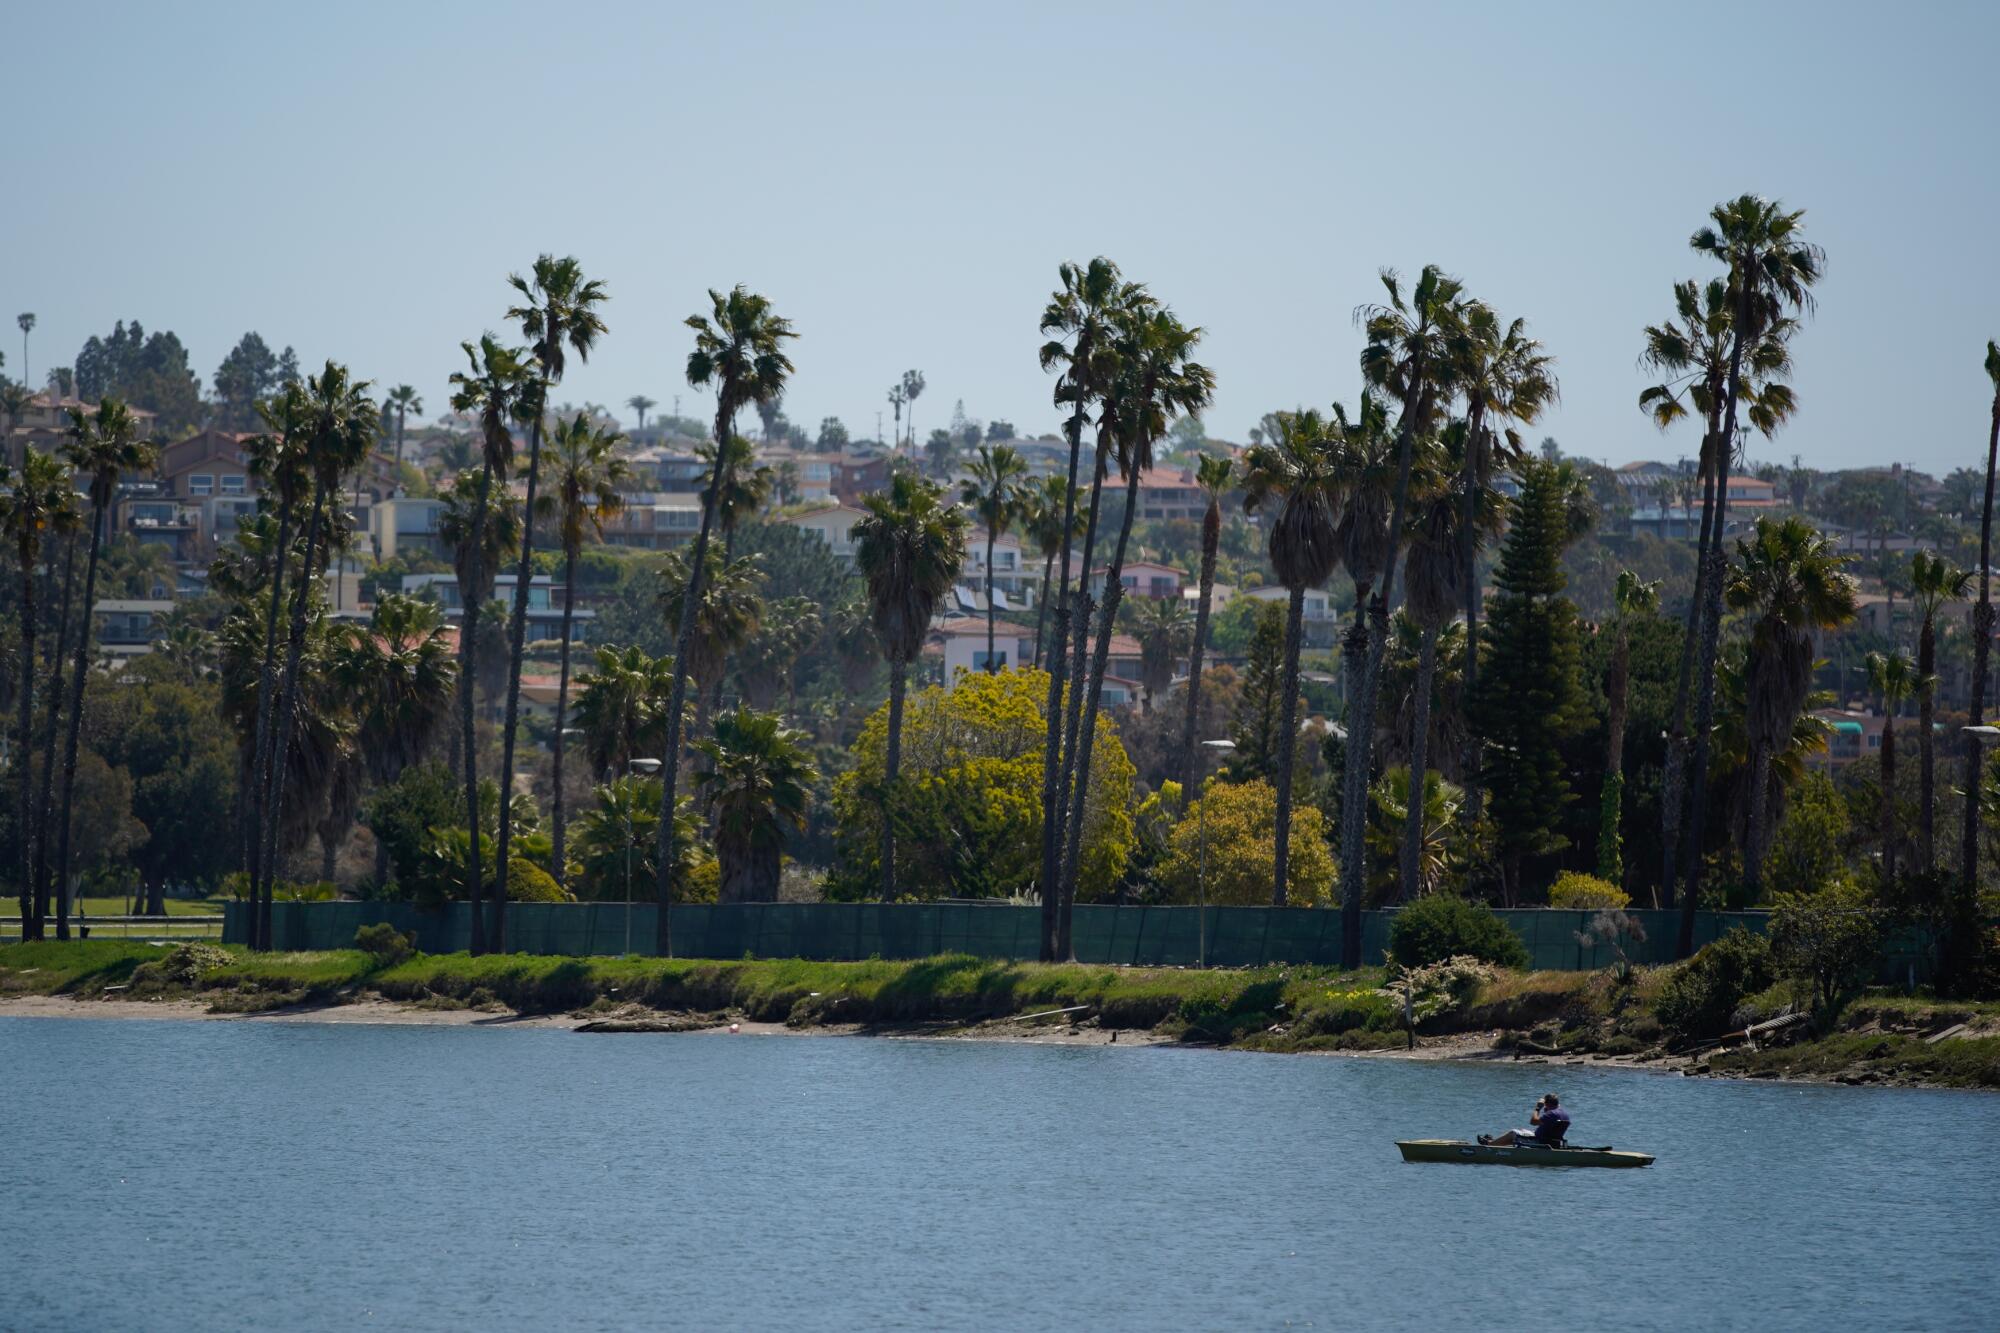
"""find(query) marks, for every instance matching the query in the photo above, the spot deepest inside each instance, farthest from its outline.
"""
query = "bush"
(1441, 926)
(183, 967)
(1826, 942)
(1582, 892)
(1701, 995)
(385, 943)
(529, 883)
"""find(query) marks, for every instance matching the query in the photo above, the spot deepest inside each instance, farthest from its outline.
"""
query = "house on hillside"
(1145, 578)
(1318, 620)
(545, 603)
(833, 524)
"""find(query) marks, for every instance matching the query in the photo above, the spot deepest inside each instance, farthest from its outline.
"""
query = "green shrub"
(1439, 926)
(1583, 892)
(183, 967)
(387, 945)
(1826, 942)
(529, 883)
(1702, 994)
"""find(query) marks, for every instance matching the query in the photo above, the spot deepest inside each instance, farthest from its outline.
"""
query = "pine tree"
(1530, 695)
(1260, 709)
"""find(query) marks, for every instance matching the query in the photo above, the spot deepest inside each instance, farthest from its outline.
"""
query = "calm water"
(275, 1175)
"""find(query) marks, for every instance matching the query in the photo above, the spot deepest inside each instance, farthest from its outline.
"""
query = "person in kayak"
(1550, 1123)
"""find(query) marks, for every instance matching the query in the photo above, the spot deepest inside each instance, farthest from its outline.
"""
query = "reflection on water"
(206, 1175)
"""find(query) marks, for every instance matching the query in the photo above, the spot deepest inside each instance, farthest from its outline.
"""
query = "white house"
(1317, 618)
(833, 525)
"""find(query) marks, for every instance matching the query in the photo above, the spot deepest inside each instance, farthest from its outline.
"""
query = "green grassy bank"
(1552, 1014)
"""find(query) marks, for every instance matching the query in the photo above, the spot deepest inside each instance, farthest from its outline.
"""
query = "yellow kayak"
(1520, 1154)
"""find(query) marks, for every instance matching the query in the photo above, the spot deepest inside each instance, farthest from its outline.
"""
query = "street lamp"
(1201, 862)
(639, 768)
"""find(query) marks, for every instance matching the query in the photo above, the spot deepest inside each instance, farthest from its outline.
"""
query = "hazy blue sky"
(903, 179)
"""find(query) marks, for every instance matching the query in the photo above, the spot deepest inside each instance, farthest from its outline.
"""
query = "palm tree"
(26, 320)
(996, 492)
(493, 388)
(402, 400)
(1044, 508)
(1982, 637)
(398, 672)
(1214, 476)
(757, 784)
(1771, 275)
(726, 616)
(102, 447)
(896, 400)
(739, 347)
(767, 666)
(1934, 580)
(583, 494)
(1164, 630)
(1078, 321)
(913, 389)
(1631, 599)
(641, 404)
(909, 546)
(1892, 676)
(1505, 376)
(1409, 354)
(1792, 579)
(499, 536)
(621, 708)
(741, 486)
(1296, 470)
(558, 315)
(1158, 381)
(33, 504)
(341, 421)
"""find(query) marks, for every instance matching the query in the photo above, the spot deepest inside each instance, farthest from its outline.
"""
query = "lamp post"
(1201, 857)
(639, 768)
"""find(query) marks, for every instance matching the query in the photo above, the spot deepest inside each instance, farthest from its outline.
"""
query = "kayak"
(1520, 1154)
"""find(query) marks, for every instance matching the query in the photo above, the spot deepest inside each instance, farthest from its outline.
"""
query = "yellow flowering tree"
(1238, 821)
(969, 800)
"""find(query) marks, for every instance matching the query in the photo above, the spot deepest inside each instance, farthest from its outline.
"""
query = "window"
(232, 483)
(979, 658)
(201, 483)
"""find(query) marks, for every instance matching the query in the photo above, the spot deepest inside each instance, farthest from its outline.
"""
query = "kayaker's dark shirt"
(1553, 1125)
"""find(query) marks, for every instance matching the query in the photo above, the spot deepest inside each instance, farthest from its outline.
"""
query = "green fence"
(1147, 936)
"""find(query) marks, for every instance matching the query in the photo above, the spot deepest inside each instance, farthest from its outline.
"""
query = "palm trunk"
(267, 711)
(1982, 645)
(1211, 537)
(516, 643)
(991, 666)
(892, 769)
(1107, 621)
(25, 746)
(1079, 677)
(670, 766)
(562, 705)
(1611, 815)
(1469, 481)
(79, 672)
(1674, 779)
(1888, 792)
(288, 704)
(1288, 747)
(1420, 728)
(1711, 637)
(468, 672)
(45, 802)
(1926, 745)
(1361, 712)
(1058, 666)
(399, 443)
(1760, 818)
(1042, 608)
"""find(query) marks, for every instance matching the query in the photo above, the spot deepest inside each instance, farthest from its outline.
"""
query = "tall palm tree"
(641, 404)
(757, 784)
(1044, 511)
(558, 316)
(621, 708)
(398, 673)
(741, 484)
(493, 389)
(1982, 637)
(1790, 577)
(739, 348)
(1933, 580)
(1078, 323)
(1505, 376)
(726, 616)
(1631, 599)
(913, 389)
(1214, 476)
(1164, 630)
(909, 546)
(102, 447)
(402, 400)
(582, 495)
(1408, 354)
(1158, 381)
(33, 503)
(996, 492)
(1296, 471)
(1771, 272)
(26, 320)
(1893, 677)
(341, 422)
(68, 523)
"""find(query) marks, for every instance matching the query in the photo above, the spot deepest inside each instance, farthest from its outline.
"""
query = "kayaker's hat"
(1550, 1098)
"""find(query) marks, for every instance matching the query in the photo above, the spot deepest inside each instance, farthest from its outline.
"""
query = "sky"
(902, 181)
